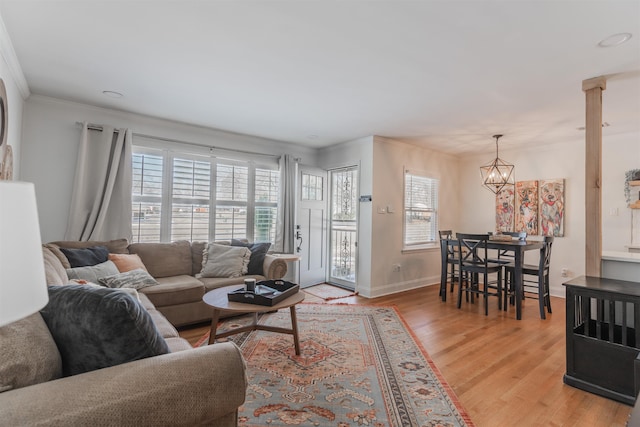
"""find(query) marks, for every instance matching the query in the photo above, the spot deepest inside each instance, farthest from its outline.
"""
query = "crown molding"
(9, 56)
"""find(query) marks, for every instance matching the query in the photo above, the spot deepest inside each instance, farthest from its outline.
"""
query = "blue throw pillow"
(96, 328)
(86, 256)
(258, 252)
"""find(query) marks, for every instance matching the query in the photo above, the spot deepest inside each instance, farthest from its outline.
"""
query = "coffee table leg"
(214, 326)
(294, 328)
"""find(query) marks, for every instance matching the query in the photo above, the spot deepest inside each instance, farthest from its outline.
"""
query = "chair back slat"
(545, 254)
(472, 248)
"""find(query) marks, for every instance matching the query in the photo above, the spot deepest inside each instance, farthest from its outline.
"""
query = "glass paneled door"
(343, 227)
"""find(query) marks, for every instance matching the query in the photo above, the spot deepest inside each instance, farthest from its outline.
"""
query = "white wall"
(620, 153)
(357, 153)
(382, 162)
(17, 91)
(50, 143)
(417, 267)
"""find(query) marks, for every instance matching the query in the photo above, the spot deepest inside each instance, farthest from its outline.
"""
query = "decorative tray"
(268, 292)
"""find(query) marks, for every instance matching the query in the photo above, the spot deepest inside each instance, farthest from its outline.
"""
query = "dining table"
(518, 247)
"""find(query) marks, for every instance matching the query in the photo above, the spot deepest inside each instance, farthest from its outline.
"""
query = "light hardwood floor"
(505, 372)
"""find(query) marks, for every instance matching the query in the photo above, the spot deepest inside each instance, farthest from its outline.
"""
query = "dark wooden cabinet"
(603, 337)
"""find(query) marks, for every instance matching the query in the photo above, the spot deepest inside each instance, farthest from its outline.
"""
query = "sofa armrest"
(188, 387)
(274, 268)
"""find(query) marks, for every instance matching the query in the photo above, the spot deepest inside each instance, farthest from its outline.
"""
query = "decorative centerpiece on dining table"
(500, 237)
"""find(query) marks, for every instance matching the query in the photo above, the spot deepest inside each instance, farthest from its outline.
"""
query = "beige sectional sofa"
(187, 386)
(174, 265)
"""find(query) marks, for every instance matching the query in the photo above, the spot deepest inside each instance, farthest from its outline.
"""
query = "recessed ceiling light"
(615, 40)
(112, 94)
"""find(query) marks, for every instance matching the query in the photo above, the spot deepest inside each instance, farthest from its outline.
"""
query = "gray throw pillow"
(84, 257)
(225, 261)
(96, 328)
(136, 279)
(93, 273)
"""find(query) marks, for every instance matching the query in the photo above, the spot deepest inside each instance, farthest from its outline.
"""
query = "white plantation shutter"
(146, 195)
(191, 190)
(420, 210)
(193, 196)
(266, 205)
(231, 201)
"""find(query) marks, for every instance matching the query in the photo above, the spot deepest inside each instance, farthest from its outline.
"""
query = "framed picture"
(527, 207)
(505, 209)
(552, 207)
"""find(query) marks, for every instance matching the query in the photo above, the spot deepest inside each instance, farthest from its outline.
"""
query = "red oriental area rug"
(359, 366)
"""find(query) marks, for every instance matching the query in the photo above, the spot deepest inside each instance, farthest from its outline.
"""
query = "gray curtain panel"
(101, 199)
(286, 210)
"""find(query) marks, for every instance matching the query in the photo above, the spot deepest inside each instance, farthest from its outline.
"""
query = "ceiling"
(441, 74)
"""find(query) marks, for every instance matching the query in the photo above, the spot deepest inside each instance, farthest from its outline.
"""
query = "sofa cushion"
(164, 259)
(29, 354)
(211, 283)
(99, 327)
(225, 261)
(92, 273)
(117, 246)
(165, 329)
(55, 273)
(197, 250)
(127, 262)
(83, 257)
(258, 252)
(174, 291)
(55, 250)
(178, 344)
(136, 279)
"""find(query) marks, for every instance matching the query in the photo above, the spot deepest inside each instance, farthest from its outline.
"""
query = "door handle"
(298, 237)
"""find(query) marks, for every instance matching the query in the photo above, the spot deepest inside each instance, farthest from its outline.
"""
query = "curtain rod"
(99, 128)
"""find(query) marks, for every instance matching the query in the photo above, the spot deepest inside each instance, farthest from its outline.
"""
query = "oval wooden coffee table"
(219, 301)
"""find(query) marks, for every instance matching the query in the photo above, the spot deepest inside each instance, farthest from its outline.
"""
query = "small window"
(420, 210)
(312, 187)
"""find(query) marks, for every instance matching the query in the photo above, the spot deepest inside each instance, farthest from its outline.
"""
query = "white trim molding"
(9, 56)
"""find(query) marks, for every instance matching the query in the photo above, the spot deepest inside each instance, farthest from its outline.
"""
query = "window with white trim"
(186, 196)
(420, 210)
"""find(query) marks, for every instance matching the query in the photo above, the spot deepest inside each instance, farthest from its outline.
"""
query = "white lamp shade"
(23, 288)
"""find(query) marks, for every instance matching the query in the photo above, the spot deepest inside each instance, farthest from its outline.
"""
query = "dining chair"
(449, 252)
(473, 265)
(535, 279)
